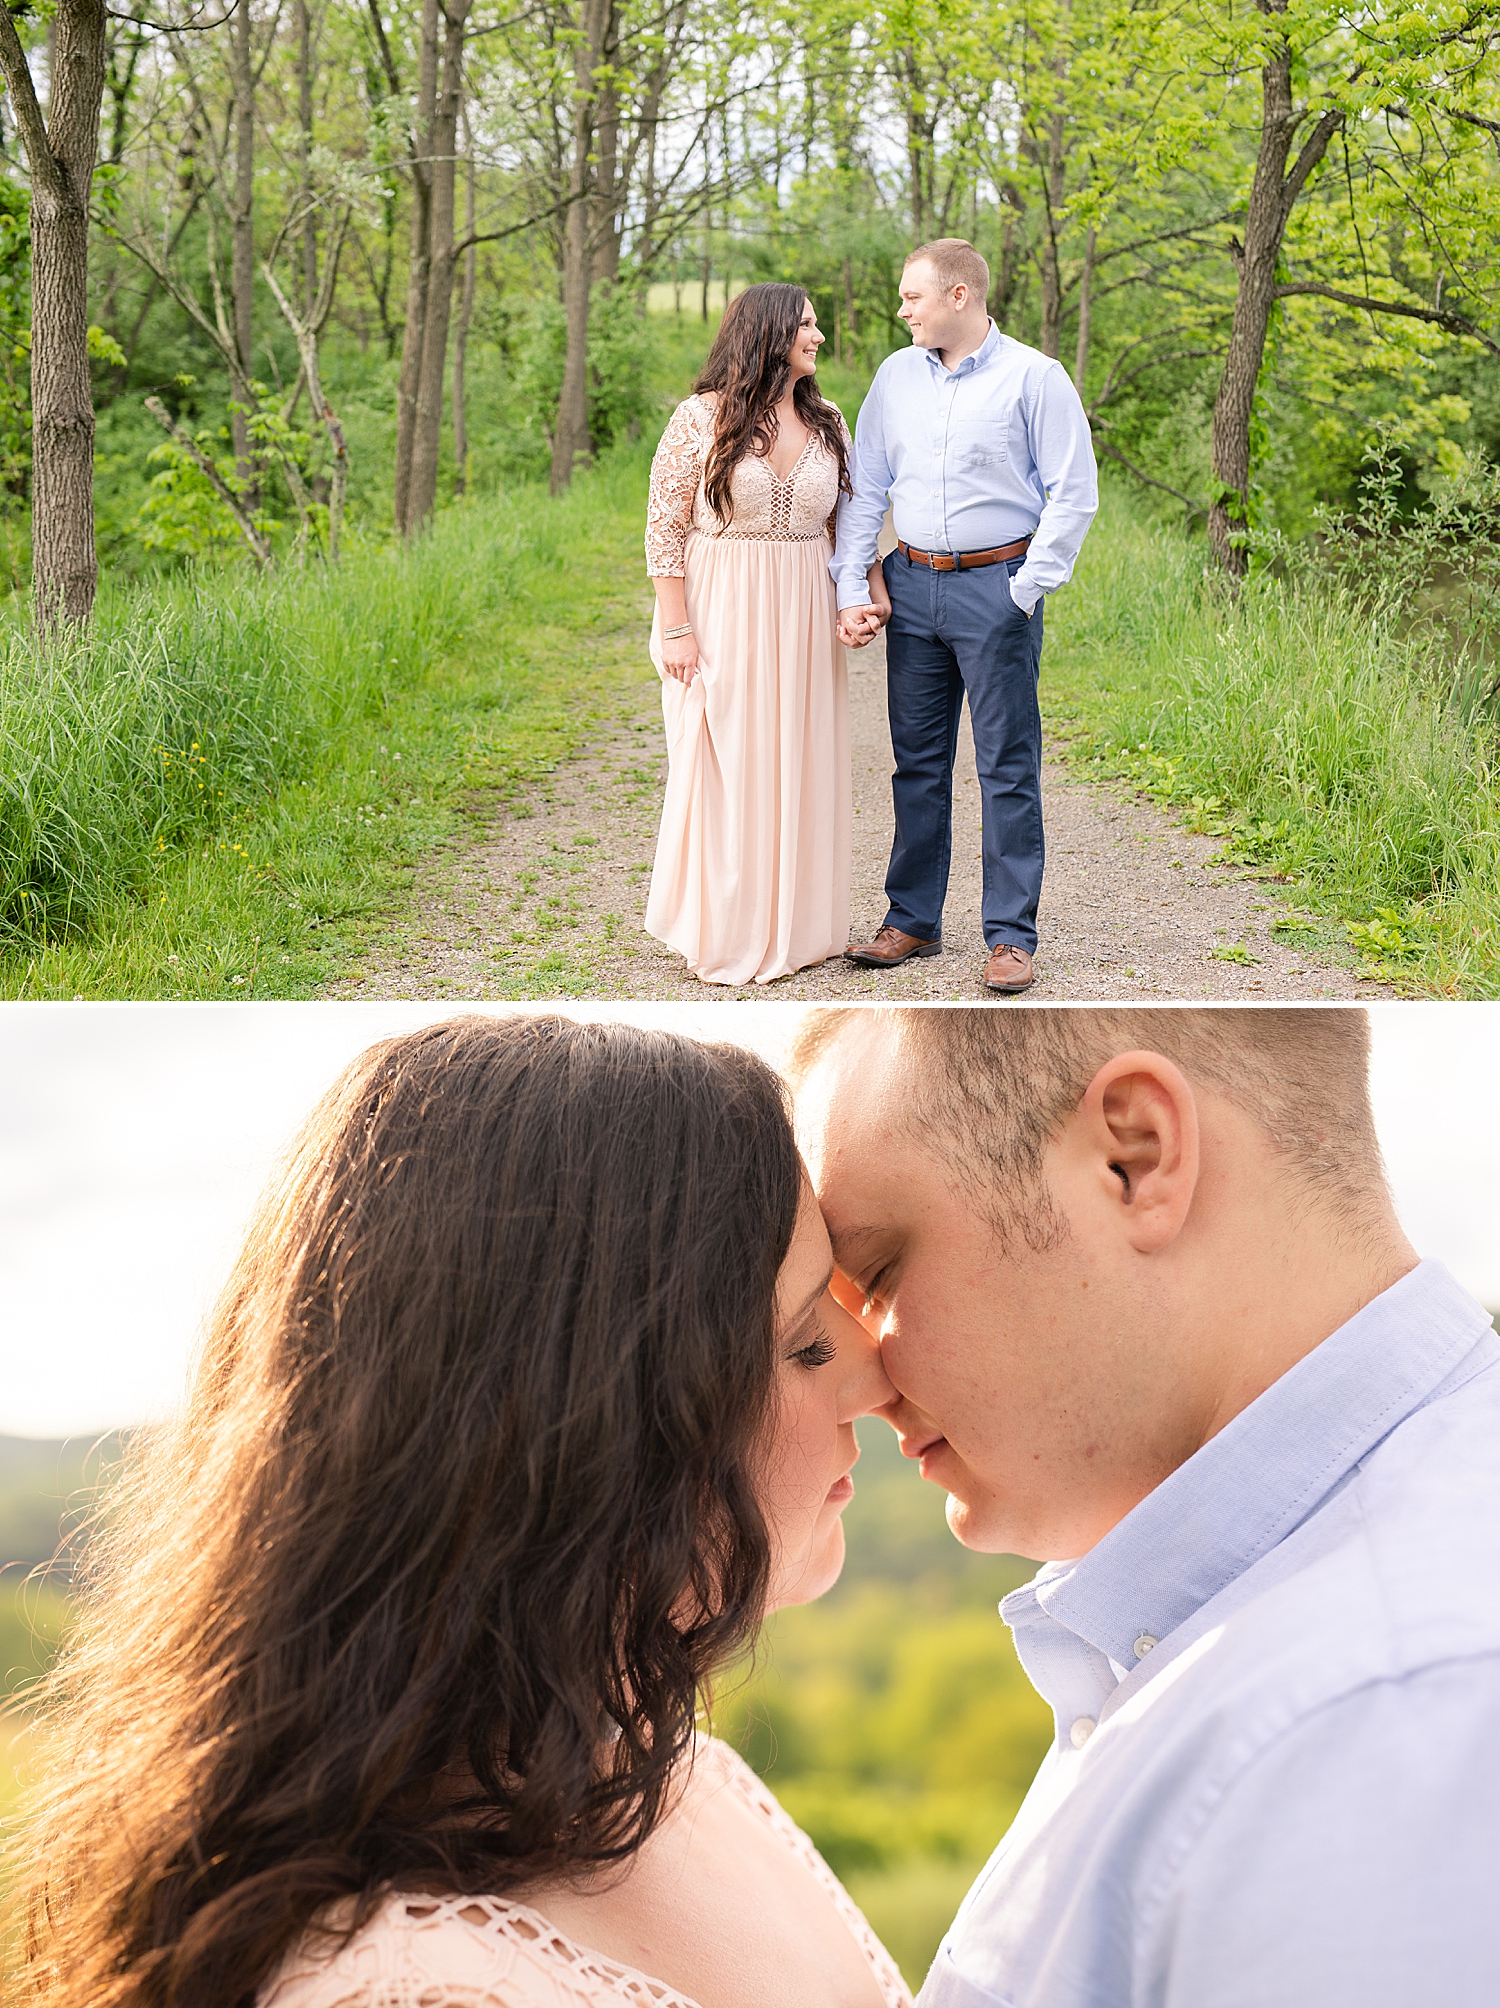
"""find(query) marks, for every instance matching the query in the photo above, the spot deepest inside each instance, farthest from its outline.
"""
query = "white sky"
(134, 1139)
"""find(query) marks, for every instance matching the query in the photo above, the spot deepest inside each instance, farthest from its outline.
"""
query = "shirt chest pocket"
(984, 444)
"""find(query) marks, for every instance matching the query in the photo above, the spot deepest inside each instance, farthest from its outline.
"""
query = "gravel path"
(550, 901)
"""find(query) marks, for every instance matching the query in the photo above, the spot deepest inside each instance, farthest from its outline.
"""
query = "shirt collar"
(1265, 1472)
(971, 362)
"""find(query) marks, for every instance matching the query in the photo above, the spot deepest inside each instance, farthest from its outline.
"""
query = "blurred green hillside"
(891, 1717)
(46, 1487)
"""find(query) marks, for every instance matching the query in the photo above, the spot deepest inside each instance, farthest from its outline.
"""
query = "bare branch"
(1113, 452)
(211, 474)
(177, 27)
(499, 27)
(1491, 126)
(1313, 149)
(1439, 317)
(515, 229)
(1167, 236)
(387, 61)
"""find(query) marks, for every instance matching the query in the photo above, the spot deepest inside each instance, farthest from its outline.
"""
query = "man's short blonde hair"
(954, 262)
(985, 1091)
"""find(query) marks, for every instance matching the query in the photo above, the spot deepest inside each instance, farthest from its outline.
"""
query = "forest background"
(1248, 227)
(328, 330)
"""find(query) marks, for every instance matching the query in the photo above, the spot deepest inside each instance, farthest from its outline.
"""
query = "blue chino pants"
(952, 632)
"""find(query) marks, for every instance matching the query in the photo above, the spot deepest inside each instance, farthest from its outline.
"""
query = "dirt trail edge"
(550, 900)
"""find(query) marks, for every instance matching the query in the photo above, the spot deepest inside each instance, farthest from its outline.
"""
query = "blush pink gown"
(753, 857)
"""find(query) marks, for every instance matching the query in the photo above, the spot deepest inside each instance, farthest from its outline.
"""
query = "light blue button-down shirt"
(1276, 1683)
(970, 458)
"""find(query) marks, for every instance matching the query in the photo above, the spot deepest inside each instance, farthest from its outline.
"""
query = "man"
(983, 448)
(1143, 1295)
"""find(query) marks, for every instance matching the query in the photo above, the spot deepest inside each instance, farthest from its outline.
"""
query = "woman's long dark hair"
(465, 1479)
(748, 368)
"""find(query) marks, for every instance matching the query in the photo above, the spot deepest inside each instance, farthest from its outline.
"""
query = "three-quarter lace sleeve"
(840, 498)
(675, 474)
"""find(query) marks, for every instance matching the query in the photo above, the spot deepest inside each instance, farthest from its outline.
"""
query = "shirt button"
(1081, 1731)
(1143, 1645)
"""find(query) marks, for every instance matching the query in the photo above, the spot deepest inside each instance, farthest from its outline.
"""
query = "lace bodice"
(761, 507)
(488, 1952)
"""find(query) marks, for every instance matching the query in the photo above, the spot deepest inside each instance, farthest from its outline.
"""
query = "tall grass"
(184, 709)
(256, 756)
(1328, 743)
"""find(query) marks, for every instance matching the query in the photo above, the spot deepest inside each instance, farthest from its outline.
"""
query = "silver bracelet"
(676, 634)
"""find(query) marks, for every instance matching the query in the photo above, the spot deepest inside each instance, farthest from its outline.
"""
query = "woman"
(525, 1402)
(753, 858)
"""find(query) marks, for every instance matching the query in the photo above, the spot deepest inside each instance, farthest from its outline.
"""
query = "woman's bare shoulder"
(717, 1762)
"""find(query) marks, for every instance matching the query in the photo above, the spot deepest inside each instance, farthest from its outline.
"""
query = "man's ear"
(1137, 1126)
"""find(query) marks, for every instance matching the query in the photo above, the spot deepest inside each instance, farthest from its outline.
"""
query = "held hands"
(858, 626)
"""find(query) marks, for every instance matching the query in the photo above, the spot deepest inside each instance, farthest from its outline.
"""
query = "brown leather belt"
(965, 561)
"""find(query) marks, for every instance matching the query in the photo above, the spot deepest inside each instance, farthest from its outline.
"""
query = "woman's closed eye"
(816, 1352)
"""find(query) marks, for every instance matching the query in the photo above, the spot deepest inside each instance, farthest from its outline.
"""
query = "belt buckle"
(944, 561)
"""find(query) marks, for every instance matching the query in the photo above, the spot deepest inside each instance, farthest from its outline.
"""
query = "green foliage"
(104, 348)
(184, 512)
(1428, 575)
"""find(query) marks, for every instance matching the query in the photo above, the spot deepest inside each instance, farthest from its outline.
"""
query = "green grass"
(223, 786)
(1315, 741)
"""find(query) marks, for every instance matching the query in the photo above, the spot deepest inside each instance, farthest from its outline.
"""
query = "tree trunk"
(1057, 188)
(605, 204)
(242, 218)
(419, 264)
(1273, 193)
(647, 249)
(1003, 281)
(461, 333)
(916, 149)
(306, 329)
(427, 433)
(304, 164)
(571, 443)
(1085, 284)
(61, 151)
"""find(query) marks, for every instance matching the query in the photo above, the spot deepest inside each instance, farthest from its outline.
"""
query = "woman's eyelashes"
(818, 1351)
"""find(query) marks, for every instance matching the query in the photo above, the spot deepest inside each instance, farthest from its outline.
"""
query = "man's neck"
(1299, 1306)
(969, 340)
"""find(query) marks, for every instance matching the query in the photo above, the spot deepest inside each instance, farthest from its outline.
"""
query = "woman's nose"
(864, 1385)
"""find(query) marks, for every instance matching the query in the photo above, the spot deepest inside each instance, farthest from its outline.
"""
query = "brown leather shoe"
(1008, 969)
(890, 947)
